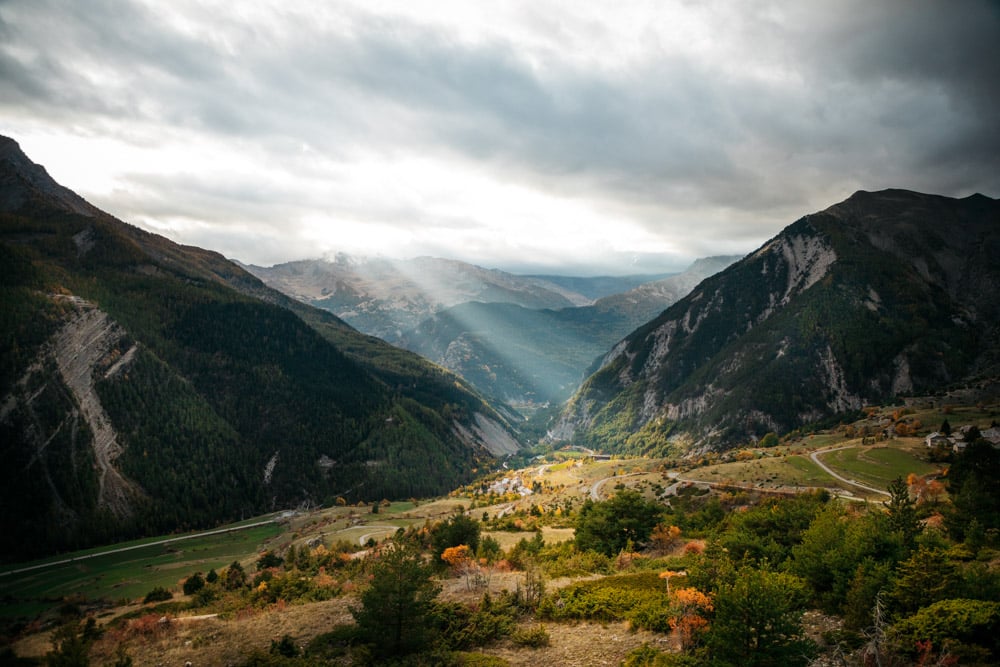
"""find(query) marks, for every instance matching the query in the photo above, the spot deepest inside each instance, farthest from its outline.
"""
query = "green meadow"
(877, 466)
(124, 575)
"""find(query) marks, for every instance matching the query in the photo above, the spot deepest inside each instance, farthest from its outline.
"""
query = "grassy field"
(507, 539)
(126, 575)
(785, 471)
(877, 466)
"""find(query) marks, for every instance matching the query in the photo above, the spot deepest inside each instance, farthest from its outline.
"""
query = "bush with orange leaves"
(458, 557)
(463, 564)
(694, 548)
(924, 490)
(689, 606)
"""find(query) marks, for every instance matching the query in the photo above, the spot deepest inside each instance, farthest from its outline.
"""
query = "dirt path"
(595, 488)
(815, 459)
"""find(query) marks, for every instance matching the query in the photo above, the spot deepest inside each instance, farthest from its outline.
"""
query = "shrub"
(269, 559)
(651, 615)
(294, 587)
(968, 629)
(647, 656)
(534, 637)
(464, 628)
(69, 647)
(334, 644)
(286, 647)
(565, 560)
(158, 594)
(480, 660)
(234, 577)
(614, 598)
(204, 597)
(148, 625)
(193, 584)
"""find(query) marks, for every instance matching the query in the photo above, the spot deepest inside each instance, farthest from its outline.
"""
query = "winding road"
(595, 488)
(815, 459)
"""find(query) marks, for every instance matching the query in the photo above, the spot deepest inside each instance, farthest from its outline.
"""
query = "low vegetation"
(699, 573)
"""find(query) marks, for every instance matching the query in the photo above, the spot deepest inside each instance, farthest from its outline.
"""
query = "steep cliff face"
(885, 293)
(89, 346)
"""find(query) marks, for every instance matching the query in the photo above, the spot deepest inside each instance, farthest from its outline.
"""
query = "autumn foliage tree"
(457, 557)
(690, 607)
(665, 537)
(463, 563)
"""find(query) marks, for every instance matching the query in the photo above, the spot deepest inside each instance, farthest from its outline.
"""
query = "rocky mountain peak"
(22, 182)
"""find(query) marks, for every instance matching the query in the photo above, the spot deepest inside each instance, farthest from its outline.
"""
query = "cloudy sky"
(580, 136)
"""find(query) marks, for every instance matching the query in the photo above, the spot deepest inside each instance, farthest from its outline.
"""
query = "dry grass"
(215, 641)
(582, 645)
(769, 473)
(507, 539)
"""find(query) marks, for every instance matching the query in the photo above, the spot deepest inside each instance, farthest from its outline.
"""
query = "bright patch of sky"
(571, 137)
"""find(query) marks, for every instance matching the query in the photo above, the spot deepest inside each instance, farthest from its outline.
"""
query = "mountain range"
(526, 341)
(884, 295)
(150, 387)
(387, 297)
(533, 357)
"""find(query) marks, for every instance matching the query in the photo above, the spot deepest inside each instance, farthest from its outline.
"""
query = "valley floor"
(511, 505)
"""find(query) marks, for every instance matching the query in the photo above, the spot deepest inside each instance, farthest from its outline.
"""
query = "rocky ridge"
(883, 294)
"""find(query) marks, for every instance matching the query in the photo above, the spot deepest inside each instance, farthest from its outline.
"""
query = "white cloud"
(519, 134)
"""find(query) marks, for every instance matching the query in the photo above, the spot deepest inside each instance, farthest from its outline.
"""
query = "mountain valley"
(148, 386)
(525, 340)
(764, 432)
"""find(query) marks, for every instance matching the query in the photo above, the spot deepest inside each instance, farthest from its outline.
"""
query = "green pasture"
(126, 575)
(399, 507)
(821, 440)
(877, 466)
(808, 473)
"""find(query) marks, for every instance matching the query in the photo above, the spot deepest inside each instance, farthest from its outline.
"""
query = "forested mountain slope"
(884, 294)
(147, 387)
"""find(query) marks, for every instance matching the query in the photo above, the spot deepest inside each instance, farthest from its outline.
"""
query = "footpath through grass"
(877, 466)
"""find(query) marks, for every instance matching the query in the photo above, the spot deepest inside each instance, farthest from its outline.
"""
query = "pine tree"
(395, 608)
(902, 511)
